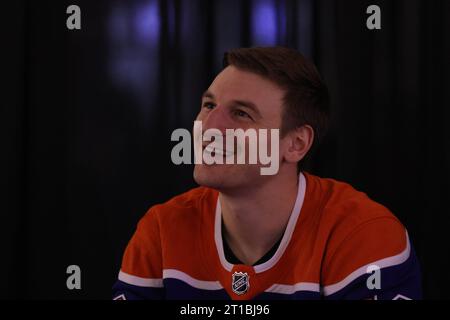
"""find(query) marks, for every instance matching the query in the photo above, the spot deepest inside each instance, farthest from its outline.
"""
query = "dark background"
(86, 118)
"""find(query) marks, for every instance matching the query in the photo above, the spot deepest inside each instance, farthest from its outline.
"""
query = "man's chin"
(206, 176)
(224, 178)
(214, 176)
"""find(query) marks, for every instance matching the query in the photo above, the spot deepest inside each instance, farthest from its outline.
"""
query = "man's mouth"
(215, 150)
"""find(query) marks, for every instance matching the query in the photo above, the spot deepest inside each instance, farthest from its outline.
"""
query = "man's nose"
(217, 118)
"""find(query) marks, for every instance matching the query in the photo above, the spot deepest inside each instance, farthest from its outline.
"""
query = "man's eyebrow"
(208, 94)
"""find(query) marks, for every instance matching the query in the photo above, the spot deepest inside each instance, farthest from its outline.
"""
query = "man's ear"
(299, 142)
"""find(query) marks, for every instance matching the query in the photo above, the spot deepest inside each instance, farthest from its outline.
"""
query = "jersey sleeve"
(375, 261)
(140, 276)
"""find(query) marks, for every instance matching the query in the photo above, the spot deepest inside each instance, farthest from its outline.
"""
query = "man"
(291, 235)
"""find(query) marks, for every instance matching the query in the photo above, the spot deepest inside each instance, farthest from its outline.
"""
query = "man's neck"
(256, 219)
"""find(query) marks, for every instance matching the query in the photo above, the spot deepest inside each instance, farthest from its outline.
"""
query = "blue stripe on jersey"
(299, 295)
(396, 281)
(399, 281)
(132, 292)
(179, 290)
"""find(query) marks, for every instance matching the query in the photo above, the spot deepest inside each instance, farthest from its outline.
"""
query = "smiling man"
(290, 235)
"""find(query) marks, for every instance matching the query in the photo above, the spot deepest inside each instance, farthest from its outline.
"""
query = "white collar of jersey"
(284, 241)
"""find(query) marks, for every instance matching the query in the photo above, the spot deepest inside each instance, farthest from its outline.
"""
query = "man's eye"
(243, 114)
(209, 105)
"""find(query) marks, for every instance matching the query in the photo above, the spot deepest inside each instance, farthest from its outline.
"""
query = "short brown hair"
(306, 100)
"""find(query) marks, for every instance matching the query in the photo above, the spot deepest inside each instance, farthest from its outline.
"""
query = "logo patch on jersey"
(240, 282)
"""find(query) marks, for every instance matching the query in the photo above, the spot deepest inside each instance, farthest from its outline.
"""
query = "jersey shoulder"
(341, 205)
(181, 216)
(190, 202)
(357, 234)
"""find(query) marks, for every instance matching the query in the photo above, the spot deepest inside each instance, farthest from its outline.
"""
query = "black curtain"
(87, 115)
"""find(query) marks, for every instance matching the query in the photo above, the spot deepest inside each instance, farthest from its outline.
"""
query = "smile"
(218, 151)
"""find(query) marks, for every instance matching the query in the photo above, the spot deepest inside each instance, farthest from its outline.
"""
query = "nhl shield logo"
(240, 282)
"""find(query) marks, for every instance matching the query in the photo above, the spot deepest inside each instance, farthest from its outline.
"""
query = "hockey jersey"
(338, 244)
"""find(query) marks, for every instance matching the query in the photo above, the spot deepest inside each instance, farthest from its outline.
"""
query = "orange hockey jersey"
(338, 244)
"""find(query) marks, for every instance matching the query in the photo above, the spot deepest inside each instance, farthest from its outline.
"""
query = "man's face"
(238, 99)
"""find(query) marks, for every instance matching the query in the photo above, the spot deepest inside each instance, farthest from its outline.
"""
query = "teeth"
(218, 151)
